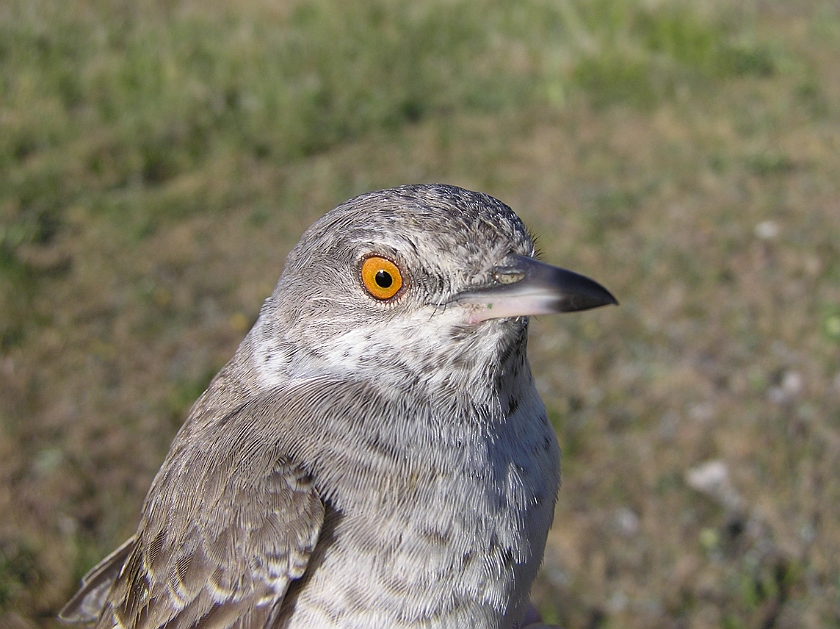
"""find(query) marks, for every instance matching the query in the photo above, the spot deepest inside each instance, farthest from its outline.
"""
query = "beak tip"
(587, 295)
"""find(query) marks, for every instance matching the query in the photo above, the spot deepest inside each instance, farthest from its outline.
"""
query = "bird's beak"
(526, 286)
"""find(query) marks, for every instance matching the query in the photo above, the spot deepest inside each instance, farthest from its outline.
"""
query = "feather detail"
(89, 600)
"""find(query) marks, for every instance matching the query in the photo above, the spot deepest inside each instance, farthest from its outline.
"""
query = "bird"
(375, 454)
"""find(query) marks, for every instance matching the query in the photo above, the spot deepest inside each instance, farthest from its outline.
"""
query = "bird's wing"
(90, 599)
(230, 521)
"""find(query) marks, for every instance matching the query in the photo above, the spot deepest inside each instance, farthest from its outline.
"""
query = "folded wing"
(228, 524)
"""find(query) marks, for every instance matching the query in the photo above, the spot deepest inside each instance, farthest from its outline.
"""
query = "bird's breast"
(450, 534)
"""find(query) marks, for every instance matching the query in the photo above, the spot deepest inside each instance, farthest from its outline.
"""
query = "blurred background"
(158, 159)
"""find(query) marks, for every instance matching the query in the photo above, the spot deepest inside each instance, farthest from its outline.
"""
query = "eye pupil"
(383, 279)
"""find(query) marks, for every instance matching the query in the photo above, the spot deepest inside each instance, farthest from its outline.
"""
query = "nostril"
(508, 276)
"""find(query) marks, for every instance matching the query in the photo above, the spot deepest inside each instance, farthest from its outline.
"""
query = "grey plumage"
(363, 461)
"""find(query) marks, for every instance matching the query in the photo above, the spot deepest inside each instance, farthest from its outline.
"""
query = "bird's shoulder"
(230, 521)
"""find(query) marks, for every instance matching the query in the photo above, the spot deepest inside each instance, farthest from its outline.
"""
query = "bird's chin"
(499, 328)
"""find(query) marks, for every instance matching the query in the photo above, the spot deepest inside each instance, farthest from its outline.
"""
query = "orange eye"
(381, 277)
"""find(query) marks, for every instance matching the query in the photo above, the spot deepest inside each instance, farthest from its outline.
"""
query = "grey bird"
(375, 455)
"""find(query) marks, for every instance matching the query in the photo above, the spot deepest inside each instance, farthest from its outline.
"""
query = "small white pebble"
(627, 522)
(792, 382)
(789, 388)
(712, 478)
(708, 477)
(767, 230)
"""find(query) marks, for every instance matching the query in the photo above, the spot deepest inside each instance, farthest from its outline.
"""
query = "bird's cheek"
(474, 313)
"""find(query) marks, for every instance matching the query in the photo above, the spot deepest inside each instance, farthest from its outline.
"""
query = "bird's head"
(411, 279)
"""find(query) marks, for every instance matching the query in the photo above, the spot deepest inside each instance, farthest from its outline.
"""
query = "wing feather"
(233, 516)
(228, 524)
(89, 600)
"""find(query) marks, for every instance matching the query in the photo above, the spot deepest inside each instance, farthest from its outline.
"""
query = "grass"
(158, 159)
(107, 105)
